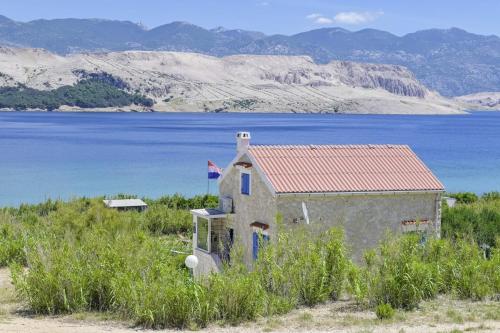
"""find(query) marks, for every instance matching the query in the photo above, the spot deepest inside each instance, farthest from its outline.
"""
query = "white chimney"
(242, 141)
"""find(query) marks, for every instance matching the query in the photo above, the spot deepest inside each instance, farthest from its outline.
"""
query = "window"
(245, 183)
(202, 234)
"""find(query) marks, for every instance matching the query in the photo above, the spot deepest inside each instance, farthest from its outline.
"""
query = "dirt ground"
(441, 315)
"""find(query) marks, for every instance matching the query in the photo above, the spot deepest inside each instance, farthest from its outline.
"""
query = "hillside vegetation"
(79, 256)
(88, 93)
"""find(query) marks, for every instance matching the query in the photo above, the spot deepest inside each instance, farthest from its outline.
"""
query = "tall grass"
(303, 269)
(397, 275)
(85, 257)
(404, 271)
(80, 256)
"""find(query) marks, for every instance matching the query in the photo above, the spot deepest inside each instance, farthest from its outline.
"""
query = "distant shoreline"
(127, 110)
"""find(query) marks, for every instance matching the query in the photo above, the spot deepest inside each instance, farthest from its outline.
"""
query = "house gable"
(237, 164)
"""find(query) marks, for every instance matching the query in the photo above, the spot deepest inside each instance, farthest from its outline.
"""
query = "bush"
(384, 311)
(178, 201)
(479, 220)
(491, 196)
(465, 197)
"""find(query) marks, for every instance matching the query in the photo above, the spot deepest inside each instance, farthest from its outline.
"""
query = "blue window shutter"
(245, 183)
(255, 245)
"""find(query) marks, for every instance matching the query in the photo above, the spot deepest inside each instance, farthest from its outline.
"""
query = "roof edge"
(327, 194)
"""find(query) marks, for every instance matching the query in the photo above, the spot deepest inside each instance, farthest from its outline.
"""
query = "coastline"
(198, 111)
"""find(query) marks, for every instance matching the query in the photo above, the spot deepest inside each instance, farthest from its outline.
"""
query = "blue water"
(62, 155)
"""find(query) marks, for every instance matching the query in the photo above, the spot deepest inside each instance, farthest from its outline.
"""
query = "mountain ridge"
(451, 61)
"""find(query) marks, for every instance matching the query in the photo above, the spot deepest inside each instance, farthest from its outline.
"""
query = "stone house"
(365, 189)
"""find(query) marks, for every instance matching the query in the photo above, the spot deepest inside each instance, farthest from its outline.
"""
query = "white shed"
(126, 204)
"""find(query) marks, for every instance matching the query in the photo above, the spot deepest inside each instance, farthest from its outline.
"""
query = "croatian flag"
(214, 171)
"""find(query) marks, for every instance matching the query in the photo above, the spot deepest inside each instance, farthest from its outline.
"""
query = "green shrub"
(491, 196)
(178, 201)
(479, 220)
(465, 197)
(384, 311)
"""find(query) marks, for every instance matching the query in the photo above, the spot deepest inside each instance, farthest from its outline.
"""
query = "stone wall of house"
(259, 206)
(365, 218)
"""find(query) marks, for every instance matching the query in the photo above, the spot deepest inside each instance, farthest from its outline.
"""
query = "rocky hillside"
(450, 61)
(482, 101)
(195, 82)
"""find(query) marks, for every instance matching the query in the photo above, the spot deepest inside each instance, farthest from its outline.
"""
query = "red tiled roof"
(343, 168)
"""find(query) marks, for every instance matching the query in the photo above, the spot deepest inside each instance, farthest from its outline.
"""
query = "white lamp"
(191, 261)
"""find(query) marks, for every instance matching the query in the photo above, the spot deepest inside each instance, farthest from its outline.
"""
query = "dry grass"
(441, 315)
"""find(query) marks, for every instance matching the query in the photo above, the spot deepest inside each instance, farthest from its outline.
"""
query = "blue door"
(255, 248)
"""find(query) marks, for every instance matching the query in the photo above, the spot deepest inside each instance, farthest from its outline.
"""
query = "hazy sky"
(275, 16)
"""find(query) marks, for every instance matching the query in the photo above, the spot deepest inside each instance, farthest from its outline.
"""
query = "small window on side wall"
(245, 183)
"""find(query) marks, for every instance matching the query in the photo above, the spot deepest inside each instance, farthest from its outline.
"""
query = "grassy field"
(77, 257)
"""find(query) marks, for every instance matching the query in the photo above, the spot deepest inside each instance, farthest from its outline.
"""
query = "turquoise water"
(62, 155)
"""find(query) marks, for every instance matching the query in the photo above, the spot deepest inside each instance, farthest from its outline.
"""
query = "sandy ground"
(441, 315)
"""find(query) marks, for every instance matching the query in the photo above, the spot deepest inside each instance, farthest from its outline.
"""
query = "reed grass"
(77, 256)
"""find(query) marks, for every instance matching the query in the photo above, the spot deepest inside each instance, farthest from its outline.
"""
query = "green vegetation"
(78, 256)
(404, 272)
(384, 311)
(93, 92)
(473, 217)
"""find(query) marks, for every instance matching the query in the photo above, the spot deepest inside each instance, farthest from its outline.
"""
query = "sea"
(65, 155)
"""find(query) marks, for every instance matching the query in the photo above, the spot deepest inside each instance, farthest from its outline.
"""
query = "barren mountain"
(452, 61)
(195, 82)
